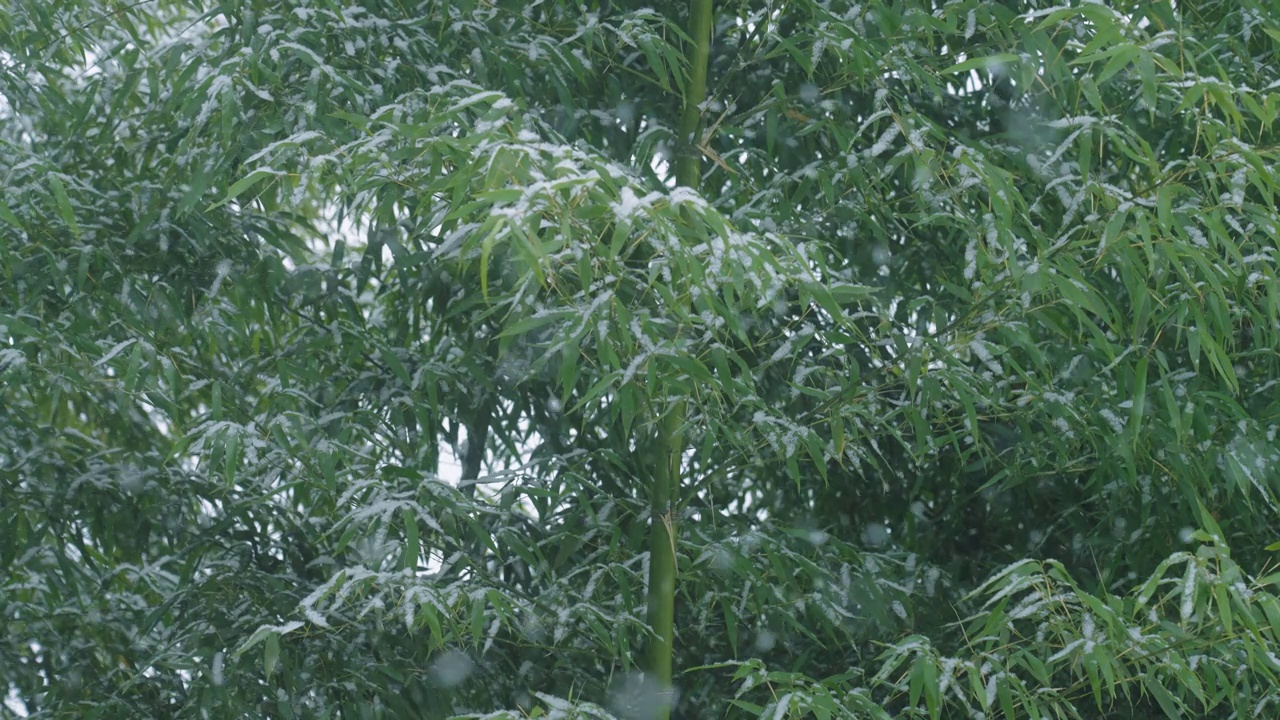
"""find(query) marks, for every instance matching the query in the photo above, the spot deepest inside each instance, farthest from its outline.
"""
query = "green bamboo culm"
(662, 555)
(689, 160)
(670, 440)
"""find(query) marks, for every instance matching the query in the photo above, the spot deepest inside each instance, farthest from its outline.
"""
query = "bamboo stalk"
(666, 478)
(688, 164)
(662, 556)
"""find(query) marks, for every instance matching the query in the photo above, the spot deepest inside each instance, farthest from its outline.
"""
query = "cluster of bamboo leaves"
(337, 344)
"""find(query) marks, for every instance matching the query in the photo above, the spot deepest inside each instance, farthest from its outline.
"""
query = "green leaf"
(242, 185)
(231, 459)
(1147, 72)
(486, 250)
(1139, 399)
(1122, 57)
(64, 204)
(433, 625)
(731, 625)
(532, 322)
(1223, 602)
(932, 697)
(1004, 691)
(752, 708)
(270, 653)
(1168, 703)
(7, 215)
(215, 411)
(1095, 680)
(412, 548)
(392, 360)
(693, 368)
(195, 190)
(916, 681)
(1164, 204)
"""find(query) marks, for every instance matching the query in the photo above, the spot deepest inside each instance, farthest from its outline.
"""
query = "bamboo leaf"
(7, 215)
(242, 186)
(63, 202)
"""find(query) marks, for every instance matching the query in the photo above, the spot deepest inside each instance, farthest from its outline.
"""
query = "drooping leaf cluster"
(335, 340)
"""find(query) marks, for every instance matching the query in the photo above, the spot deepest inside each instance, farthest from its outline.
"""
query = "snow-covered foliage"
(337, 342)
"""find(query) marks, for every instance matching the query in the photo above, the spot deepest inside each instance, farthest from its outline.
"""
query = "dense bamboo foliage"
(497, 359)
